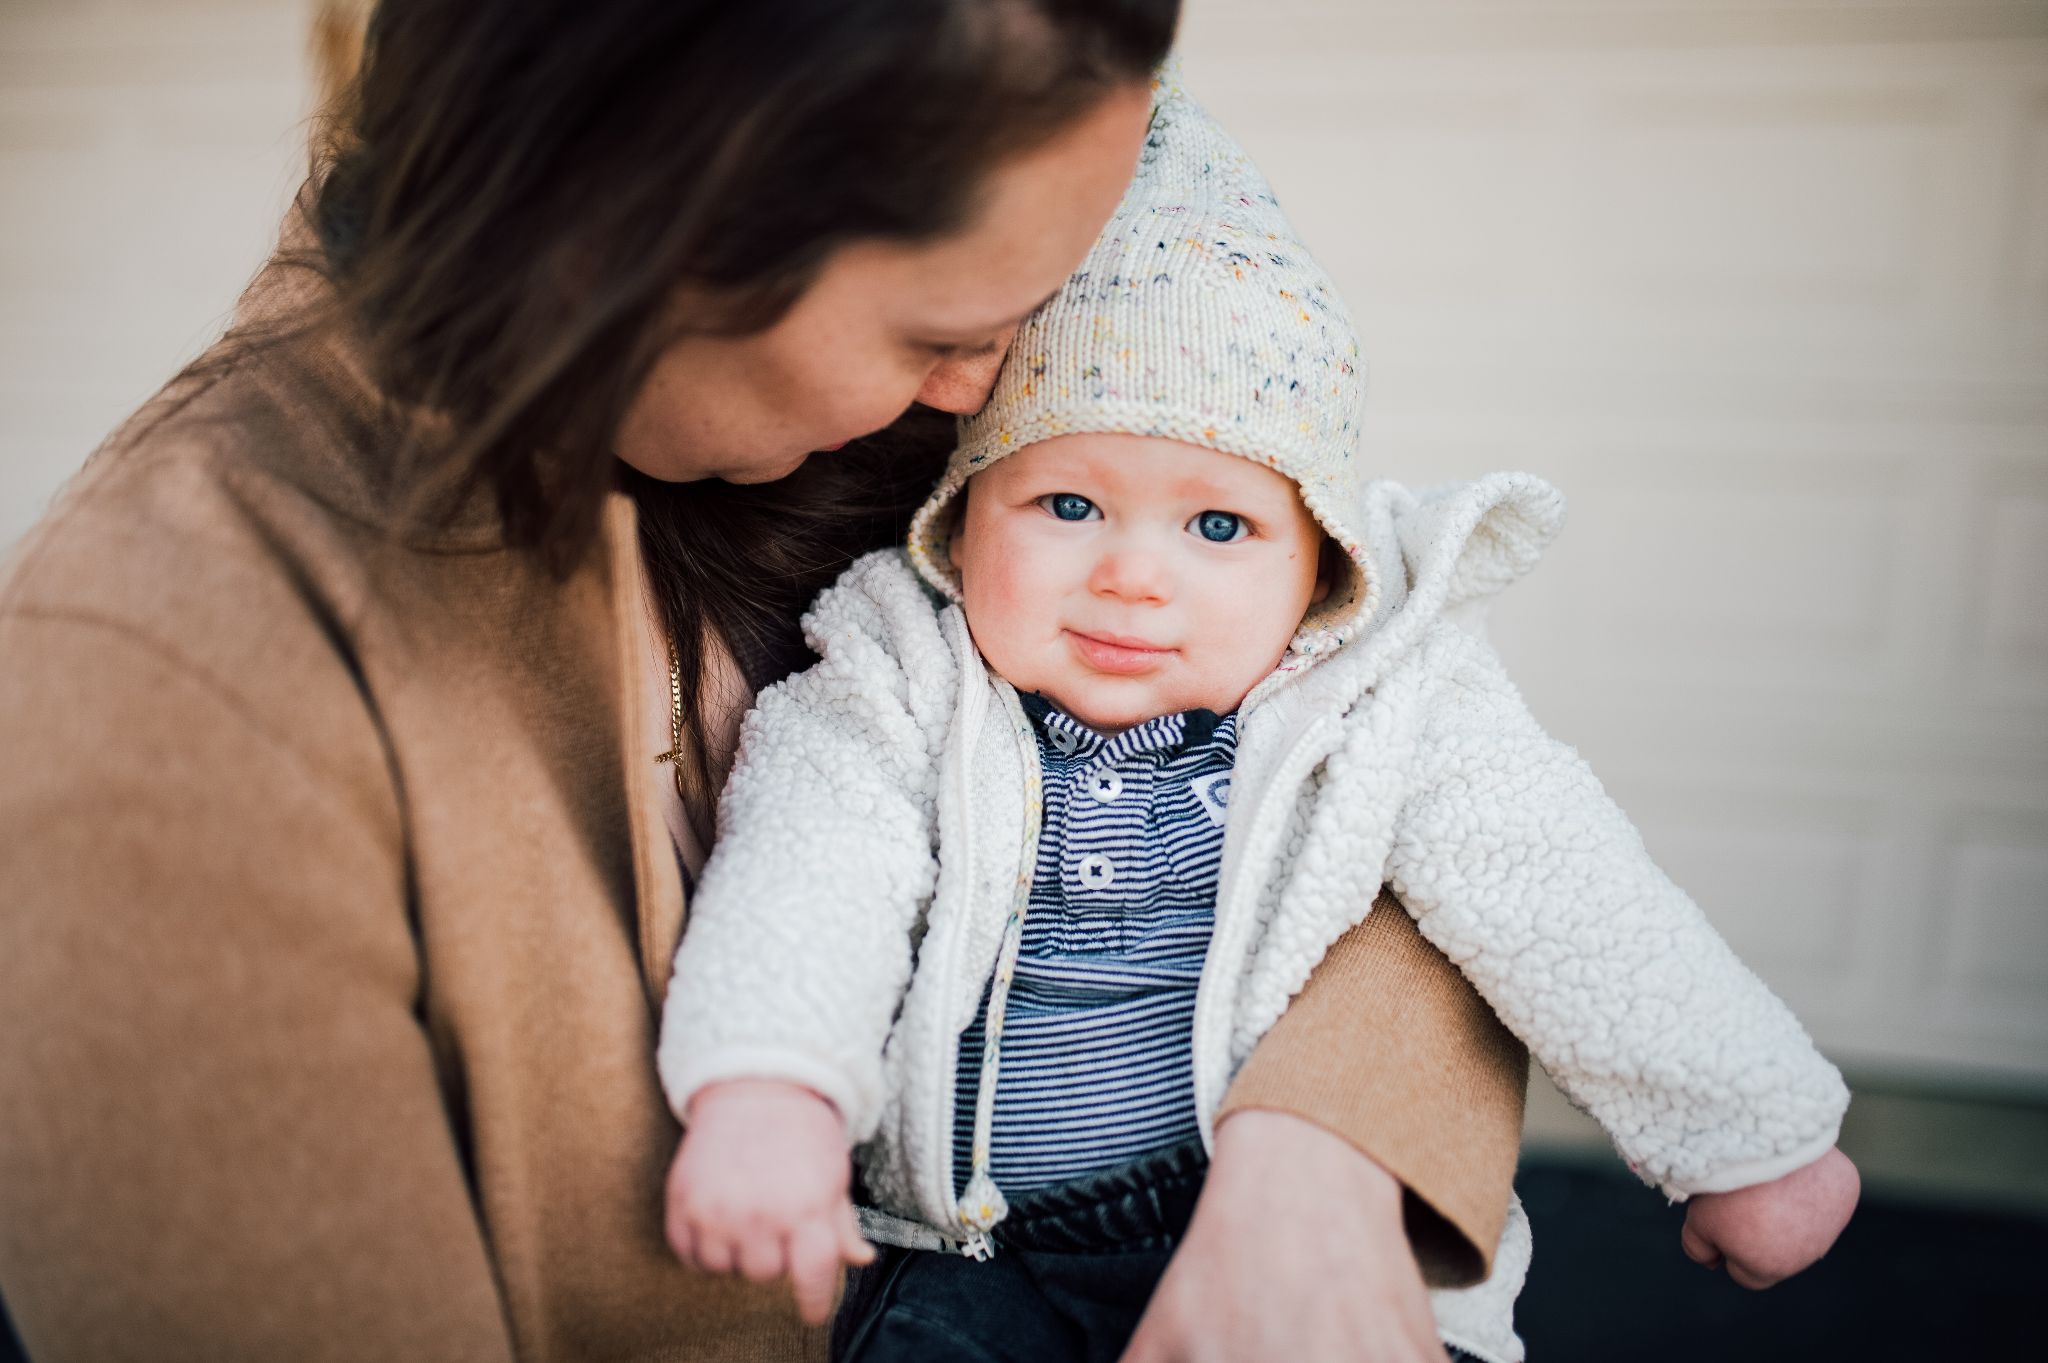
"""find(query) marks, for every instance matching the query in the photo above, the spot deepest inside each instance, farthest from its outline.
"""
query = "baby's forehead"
(1143, 466)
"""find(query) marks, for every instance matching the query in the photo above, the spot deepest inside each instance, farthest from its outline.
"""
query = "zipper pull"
(979, 1208)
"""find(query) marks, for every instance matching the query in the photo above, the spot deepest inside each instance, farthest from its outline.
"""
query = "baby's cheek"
(1246, 641)
(999, 615)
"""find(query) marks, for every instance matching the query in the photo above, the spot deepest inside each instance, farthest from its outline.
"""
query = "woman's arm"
(1390, 1049)
(1295, 1252)
(1368, 1142)
(225, 1137)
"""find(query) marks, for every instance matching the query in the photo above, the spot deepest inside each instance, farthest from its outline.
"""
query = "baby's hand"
(760, 1185)
(1771, 1231)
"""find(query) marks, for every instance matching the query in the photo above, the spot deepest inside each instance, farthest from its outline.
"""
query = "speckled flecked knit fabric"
(1198, 316)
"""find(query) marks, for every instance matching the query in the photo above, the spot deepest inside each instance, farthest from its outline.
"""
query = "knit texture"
(1198, 316)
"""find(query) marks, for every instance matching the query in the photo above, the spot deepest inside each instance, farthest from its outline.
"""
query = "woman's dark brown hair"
(515, 190)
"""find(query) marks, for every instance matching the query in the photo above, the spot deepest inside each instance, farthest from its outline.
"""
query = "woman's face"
(886, 324)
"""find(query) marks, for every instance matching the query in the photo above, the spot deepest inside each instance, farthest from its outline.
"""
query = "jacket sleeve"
(226, 1138)
(1516, 863)
(797, 950)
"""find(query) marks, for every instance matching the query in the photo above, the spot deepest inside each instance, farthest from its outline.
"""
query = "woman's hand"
(1767, 1233)
(760, 1187)
(1296, 1251)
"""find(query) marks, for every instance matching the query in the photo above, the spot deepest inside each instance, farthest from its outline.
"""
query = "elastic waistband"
(1141, 1204)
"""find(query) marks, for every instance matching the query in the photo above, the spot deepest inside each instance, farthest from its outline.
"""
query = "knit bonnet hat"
(1197, 316)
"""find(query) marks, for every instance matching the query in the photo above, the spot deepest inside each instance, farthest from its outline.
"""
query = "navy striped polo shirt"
(1097, 1054)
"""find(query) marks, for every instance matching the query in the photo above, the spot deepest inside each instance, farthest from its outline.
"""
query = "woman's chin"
(765, 470)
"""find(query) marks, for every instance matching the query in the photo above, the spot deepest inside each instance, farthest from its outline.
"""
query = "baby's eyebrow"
(1197, 489)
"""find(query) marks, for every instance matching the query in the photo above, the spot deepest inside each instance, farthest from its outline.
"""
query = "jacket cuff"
(1749, 1175)
(1388, 1047)
(683, 1079)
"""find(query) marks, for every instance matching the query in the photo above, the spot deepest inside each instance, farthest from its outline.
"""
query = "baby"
(1085, 783)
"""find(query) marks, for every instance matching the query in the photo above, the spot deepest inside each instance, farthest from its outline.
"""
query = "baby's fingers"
(814, 1270)
(711, 1251)
(1754, 1278)
(680, 1237)
(761, 1259)
(1697, 1247)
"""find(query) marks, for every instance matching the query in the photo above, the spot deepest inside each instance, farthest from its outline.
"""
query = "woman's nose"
(962, 385)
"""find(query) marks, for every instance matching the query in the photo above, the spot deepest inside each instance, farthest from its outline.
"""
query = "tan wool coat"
(338, 900)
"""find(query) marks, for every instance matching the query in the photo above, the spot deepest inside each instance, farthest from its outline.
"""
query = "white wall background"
(147, 150)
(1762, 286)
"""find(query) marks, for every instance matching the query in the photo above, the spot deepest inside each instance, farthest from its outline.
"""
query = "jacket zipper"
(1252, 850)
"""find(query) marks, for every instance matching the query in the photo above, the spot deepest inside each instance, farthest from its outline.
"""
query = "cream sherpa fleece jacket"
(872, 837)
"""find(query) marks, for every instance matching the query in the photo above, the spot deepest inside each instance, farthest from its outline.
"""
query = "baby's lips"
(1118, 655)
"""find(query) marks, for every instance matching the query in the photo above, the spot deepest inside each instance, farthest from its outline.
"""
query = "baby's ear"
(1331, 564)
(956, 521)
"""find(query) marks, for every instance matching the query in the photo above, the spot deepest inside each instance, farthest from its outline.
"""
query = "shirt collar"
(1168, 735)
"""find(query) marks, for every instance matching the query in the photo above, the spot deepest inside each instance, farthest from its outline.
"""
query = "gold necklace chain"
(674, 754)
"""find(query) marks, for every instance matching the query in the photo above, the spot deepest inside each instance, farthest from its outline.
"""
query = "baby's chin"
(1112, 714)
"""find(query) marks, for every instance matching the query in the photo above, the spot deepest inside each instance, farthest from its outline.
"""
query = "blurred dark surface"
(1905, 1281)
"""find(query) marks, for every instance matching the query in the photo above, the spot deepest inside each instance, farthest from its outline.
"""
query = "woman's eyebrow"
(970, 336)
(1018, 319)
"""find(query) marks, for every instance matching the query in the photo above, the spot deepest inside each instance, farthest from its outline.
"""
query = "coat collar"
(657, 879)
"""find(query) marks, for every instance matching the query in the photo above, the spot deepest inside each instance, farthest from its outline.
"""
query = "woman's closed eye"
(1220, 527)
(962, 350)
(1069, 506)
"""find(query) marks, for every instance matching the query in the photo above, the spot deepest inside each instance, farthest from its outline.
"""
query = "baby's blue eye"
(1070, 506)
(1219, 527)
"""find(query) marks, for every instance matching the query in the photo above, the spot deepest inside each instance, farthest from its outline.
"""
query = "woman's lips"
(1117, 653)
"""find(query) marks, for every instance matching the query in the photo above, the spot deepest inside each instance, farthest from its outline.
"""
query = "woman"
(340, 882)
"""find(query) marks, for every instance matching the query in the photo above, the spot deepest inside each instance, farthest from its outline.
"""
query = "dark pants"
(1074, 1267)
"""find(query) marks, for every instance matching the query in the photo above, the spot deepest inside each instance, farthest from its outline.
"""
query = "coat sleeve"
(1516, 863)
(1388, 1047)
(797, 950)
(226, 1137)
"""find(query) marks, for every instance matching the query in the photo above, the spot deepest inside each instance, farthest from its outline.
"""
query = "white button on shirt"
(1096, 871)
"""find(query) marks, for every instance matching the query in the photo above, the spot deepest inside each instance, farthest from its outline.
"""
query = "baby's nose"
(1131, 572)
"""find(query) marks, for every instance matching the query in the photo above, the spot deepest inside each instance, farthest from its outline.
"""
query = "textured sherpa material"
(872, 840)
(1198, 316)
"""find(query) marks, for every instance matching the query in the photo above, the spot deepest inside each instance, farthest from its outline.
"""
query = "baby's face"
(1124, 576)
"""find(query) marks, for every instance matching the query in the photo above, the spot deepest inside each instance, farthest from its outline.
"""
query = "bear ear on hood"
(1466, 542)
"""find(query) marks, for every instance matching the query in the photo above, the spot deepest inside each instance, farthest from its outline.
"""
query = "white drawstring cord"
(981, 1204)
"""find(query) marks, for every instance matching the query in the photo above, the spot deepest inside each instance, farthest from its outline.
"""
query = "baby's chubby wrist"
(758, 1099)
